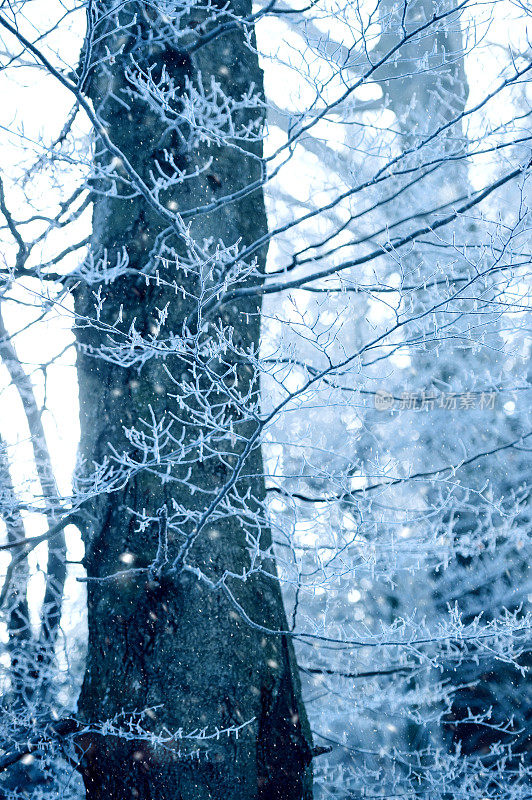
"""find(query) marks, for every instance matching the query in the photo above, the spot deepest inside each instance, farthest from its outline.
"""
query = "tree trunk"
(163, 639)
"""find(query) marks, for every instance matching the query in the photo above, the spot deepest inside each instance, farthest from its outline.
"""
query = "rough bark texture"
(173, 643)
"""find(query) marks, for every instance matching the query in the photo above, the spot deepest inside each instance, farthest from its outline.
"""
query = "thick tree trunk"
(169, 642)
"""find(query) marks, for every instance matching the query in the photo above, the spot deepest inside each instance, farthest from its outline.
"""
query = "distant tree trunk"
(172, 644)
(56, 568)
(18, 624)
(472, 583)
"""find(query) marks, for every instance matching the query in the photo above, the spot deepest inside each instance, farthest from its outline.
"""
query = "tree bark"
(56, 567)
(166, 641)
